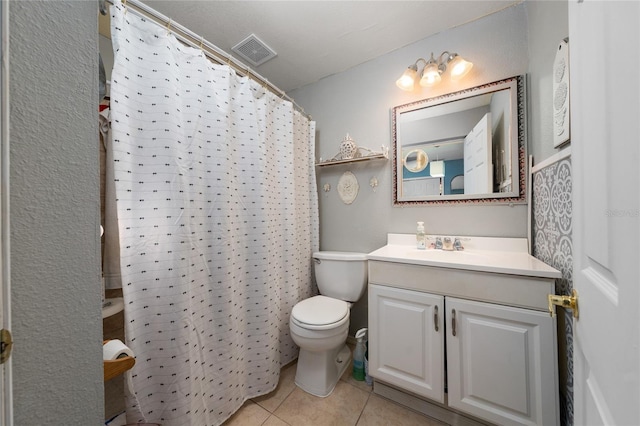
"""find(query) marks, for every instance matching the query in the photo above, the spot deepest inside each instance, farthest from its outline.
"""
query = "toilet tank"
(340, 274)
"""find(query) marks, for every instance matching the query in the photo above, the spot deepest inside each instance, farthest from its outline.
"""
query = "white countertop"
(496, 255)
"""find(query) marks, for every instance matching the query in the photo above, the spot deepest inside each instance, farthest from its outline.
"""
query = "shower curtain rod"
(210, 50)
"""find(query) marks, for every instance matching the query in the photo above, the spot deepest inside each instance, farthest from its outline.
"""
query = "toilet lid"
(320, 310)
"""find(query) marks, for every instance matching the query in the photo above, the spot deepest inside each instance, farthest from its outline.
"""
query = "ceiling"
(315, 39)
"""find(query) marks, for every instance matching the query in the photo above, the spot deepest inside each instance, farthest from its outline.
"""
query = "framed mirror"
(463, 147)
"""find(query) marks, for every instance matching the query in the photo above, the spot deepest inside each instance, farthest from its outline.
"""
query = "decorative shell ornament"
(348, 148)
(348, 187)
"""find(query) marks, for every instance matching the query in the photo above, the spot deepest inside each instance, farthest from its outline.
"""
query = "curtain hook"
(169, 26)
(124, 4)
(201, 42)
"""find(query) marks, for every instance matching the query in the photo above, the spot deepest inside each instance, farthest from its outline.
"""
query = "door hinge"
(567, 302)
(6, 344)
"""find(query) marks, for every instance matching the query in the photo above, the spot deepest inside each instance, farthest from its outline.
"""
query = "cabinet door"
(406, 340)
(502, 363)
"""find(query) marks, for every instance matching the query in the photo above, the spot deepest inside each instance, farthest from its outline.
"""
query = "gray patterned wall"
(552, 226)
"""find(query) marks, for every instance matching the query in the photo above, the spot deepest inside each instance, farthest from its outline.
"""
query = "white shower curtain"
(218, 218)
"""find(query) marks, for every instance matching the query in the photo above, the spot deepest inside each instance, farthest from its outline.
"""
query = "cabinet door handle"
(453, 322)
(435, 317)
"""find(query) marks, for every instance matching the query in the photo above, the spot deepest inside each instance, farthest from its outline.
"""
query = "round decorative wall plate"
(348, 187)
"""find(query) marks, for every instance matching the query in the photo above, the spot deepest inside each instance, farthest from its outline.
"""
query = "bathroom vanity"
(464, 333)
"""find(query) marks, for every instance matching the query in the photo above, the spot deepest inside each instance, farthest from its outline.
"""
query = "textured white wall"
(55, 251)
(548, 24)
(359, 101)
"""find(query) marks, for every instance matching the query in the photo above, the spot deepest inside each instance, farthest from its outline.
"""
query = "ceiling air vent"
(254, 51)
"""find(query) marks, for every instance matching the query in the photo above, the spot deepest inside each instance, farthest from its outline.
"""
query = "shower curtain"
(218, 218)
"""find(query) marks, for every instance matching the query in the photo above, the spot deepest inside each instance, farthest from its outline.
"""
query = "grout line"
(363, 408)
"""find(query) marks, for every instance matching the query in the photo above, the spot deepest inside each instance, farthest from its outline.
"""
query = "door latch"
(5, 345)
(567, 302)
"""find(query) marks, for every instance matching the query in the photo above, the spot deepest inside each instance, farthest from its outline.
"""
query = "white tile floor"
(352, 403)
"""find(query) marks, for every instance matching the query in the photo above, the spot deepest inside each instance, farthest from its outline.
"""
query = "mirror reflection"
(415, 161)
(471, 141)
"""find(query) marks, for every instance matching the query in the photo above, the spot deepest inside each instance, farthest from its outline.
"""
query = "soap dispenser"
(420, 238)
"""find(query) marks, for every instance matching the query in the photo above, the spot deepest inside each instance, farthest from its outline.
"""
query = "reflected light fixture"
(437, 168)
(433, 69)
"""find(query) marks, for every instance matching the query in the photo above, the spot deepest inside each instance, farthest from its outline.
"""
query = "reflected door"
(478, 166)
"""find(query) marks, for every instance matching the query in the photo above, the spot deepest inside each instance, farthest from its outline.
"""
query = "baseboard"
(431, 409)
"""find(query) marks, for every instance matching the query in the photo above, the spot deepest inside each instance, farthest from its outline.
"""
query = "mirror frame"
(518, 192)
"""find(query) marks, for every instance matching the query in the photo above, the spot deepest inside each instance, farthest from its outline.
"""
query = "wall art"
(561, 132)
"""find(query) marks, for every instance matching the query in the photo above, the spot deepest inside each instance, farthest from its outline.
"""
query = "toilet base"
(318, 373)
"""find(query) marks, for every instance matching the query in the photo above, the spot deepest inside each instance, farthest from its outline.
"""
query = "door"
(605, 141)
(478, 166)
(502, 363)
(5, 368)
(406, 340)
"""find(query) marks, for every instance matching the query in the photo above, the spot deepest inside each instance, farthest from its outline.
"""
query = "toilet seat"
(320, 312)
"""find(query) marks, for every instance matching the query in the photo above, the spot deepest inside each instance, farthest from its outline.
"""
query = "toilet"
(319, 325)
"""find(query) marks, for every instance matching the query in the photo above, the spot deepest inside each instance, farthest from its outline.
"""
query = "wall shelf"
(334, 162)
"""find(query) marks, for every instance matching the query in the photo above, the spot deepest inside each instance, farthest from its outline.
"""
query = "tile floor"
(352, 403)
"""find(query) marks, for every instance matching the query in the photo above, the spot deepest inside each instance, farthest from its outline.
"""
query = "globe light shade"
(408, 78)
(458, 67)
(430, 75)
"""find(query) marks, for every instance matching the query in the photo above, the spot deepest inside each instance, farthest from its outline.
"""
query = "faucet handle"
(438, 243)
(457, 245)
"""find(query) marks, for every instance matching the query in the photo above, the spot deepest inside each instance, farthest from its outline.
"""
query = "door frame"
(6, 394)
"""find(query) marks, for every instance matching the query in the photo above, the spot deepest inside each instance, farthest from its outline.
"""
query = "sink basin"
(462, 257)
(444, 255)
(112, 306)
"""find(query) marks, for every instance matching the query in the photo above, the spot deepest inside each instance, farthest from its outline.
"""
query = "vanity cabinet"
(466, 340)
(408, 335)
(501, 362)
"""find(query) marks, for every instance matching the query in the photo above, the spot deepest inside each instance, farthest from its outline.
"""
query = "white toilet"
(319, 325)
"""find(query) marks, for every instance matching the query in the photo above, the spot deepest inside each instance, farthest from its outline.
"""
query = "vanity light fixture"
(433, 69)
